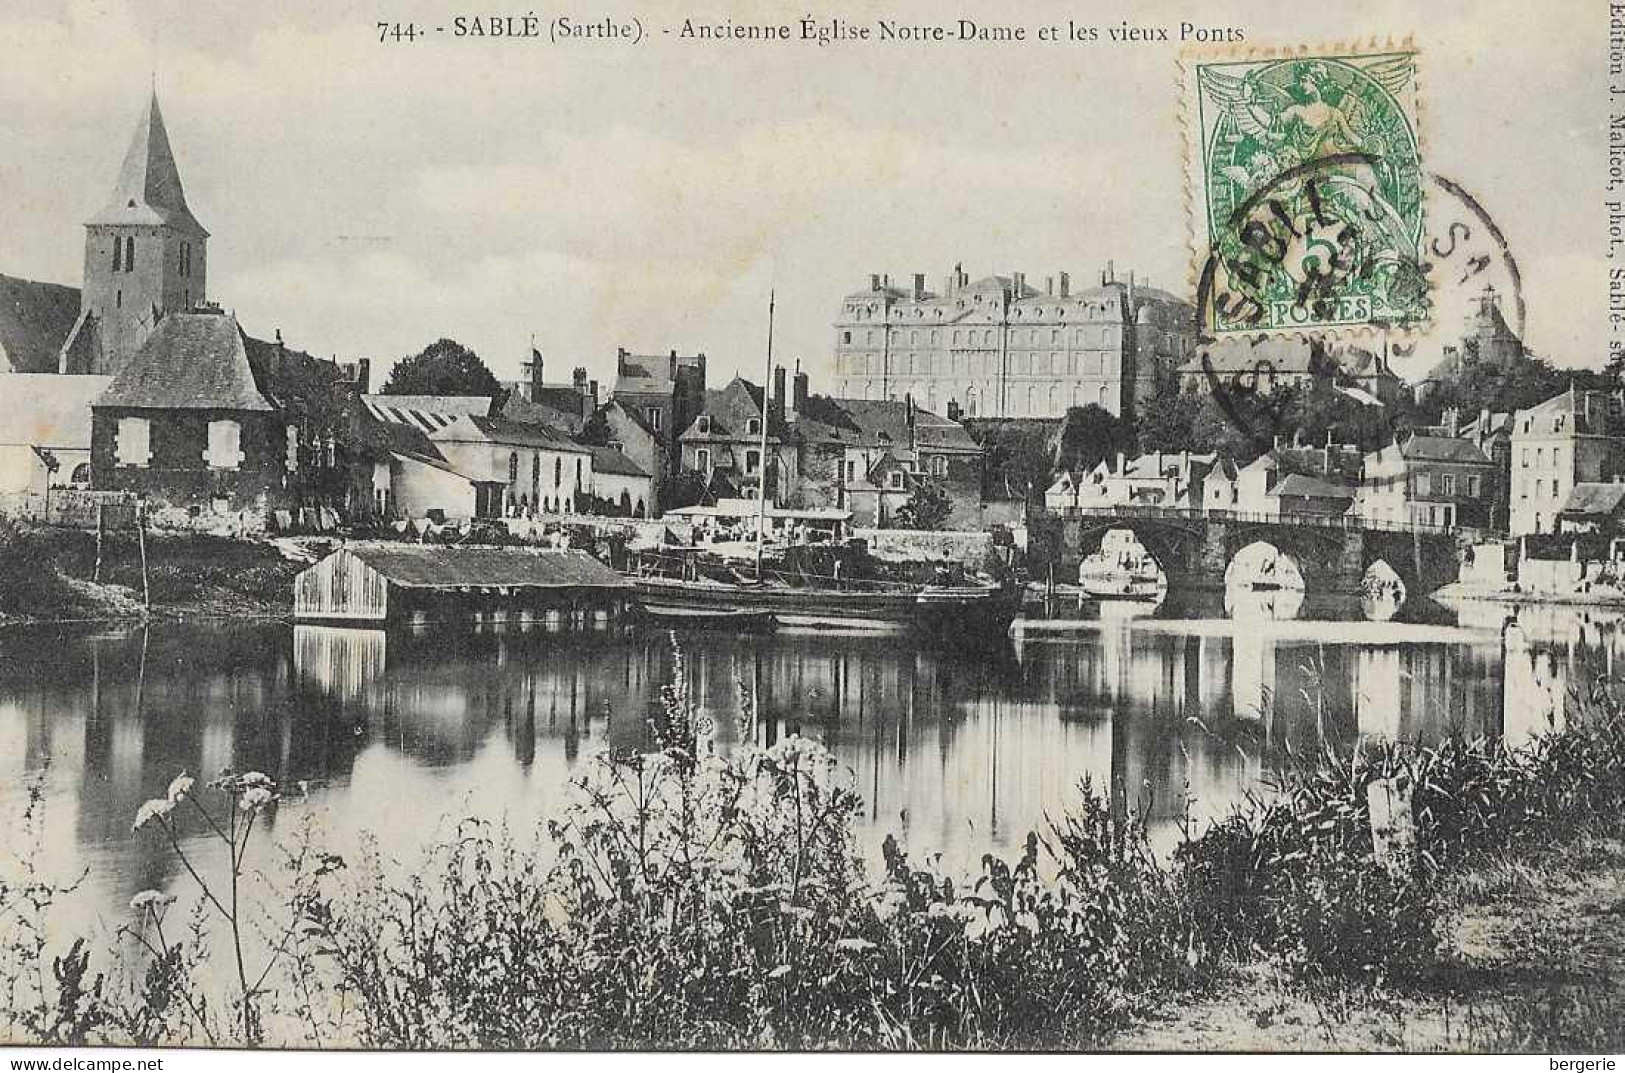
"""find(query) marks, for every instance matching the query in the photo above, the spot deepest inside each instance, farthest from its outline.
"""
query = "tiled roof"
(518, 408)
(450, 405)
(872, 422)
(148, 191)
(427, 567)
(196, 361)
(35, 319)
(609, 460)
(1594, 499)
(1443, 449)
(730, 410)
(47, 409)
(1300, 484)
(503, 431)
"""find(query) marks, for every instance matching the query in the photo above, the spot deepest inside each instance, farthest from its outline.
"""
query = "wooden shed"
(392, 582)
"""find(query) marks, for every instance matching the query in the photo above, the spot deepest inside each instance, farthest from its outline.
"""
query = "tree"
(596, 432)
(1089, 434)
(444, 368)
(685, 488)
(927, 507)
(1167, 422)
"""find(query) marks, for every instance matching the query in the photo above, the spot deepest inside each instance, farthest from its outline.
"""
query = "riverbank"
(50, 575)
(1460, 591)
(1533, 944)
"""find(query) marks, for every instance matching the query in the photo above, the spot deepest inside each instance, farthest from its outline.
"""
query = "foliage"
(1519, 384)
(445, 367)
(596, 432)
(927, 507)
(685, 488)
(1017, 457)
(692, 897)
(1088, 435)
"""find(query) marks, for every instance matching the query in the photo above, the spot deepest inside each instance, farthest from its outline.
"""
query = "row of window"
(1021, 400)
(1537, 455)
(536, 472)
(124, 256)
(1059, 312)
(1471, 484)
(1107, 335)
(133, 445)
(1544, 489)
(702, 425)
(1058, 363)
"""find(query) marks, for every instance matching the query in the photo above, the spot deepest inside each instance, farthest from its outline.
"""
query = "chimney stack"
(1066, 285)
(874, 281)
(578, 376)
(919, 286)
(798, 392)
(363, 375)
(778, 387)
(1049, 286)
(1111, 271)
(1018, 283)
(592, 393)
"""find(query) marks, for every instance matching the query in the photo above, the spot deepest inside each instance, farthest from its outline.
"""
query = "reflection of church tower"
(144, 256)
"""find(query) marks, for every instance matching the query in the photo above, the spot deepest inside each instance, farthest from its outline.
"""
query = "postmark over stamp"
(1307, 190)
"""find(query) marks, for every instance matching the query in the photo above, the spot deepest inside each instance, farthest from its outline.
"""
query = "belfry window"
(129, 254)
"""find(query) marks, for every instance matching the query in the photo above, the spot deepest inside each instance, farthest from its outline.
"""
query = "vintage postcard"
(715, 526)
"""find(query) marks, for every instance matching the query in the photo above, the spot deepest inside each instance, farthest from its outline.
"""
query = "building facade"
(997, 347)
(1577, 437)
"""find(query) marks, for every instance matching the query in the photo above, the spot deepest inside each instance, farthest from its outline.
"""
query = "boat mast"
(767, 406)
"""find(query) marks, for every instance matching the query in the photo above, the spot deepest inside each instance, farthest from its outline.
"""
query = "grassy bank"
(688, 899)
(49, 574)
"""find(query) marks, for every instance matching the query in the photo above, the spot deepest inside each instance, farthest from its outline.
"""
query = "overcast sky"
(369, 198)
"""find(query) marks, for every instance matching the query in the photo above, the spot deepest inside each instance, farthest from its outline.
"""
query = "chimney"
(363, 375)
(954, 410)
(1018, 283)
(798, 392)
(1049, 286)
(1111, 271)
(778, 387)
(1066, 285)
(592, 393)
(1483, 426)
(1121, 462)
(874, 282)
(919, 286)
(1451, 420)
(1131, 292)
(578, 377)
(279, 338)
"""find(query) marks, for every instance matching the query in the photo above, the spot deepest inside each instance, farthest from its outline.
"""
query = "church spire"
(149, 188)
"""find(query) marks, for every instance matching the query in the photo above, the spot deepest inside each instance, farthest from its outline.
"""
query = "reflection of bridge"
(1195, 547)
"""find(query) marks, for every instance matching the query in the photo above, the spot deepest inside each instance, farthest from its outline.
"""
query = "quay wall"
(970, 548)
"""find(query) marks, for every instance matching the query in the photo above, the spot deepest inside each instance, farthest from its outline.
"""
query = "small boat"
(733, 619)
(944, 611)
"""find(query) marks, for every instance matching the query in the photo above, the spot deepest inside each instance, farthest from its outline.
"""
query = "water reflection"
(391, 732)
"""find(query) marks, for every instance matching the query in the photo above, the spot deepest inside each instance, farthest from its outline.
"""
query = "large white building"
(998, 347)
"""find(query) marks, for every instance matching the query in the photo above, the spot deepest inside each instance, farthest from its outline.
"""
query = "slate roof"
(609, 460)
(500, 430)
(450, 405)
(426, 567)
(148, 190)
(35, 319)
(1591, 499)
(48, 410)
(518, 408)
(872, 422)
(730, 410)
(192, 361)
(1303, 485)
(1443, 449)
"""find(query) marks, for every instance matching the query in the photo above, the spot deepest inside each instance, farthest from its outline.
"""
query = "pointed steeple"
(148, 191)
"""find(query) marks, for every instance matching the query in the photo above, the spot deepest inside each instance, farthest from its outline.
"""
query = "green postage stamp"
(1304, 174)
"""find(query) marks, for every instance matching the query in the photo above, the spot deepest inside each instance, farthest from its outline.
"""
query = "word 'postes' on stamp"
(1305, 174)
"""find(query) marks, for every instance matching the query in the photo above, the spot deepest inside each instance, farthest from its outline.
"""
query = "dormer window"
(753, 427)
(703, 425)
(895, 479)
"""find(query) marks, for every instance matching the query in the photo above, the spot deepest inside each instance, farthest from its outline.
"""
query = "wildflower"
(179, 788)
(155, 901)
(156, 809)
(255, 780)
(255, 799)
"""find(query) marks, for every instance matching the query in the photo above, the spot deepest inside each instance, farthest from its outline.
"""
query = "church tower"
(145, 256)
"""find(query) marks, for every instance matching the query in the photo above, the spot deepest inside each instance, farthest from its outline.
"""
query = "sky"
(367, 198)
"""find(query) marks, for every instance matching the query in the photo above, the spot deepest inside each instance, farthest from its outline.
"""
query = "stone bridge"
(1196, 547)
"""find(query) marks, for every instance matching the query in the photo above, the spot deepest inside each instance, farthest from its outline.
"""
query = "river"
(398, 734)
